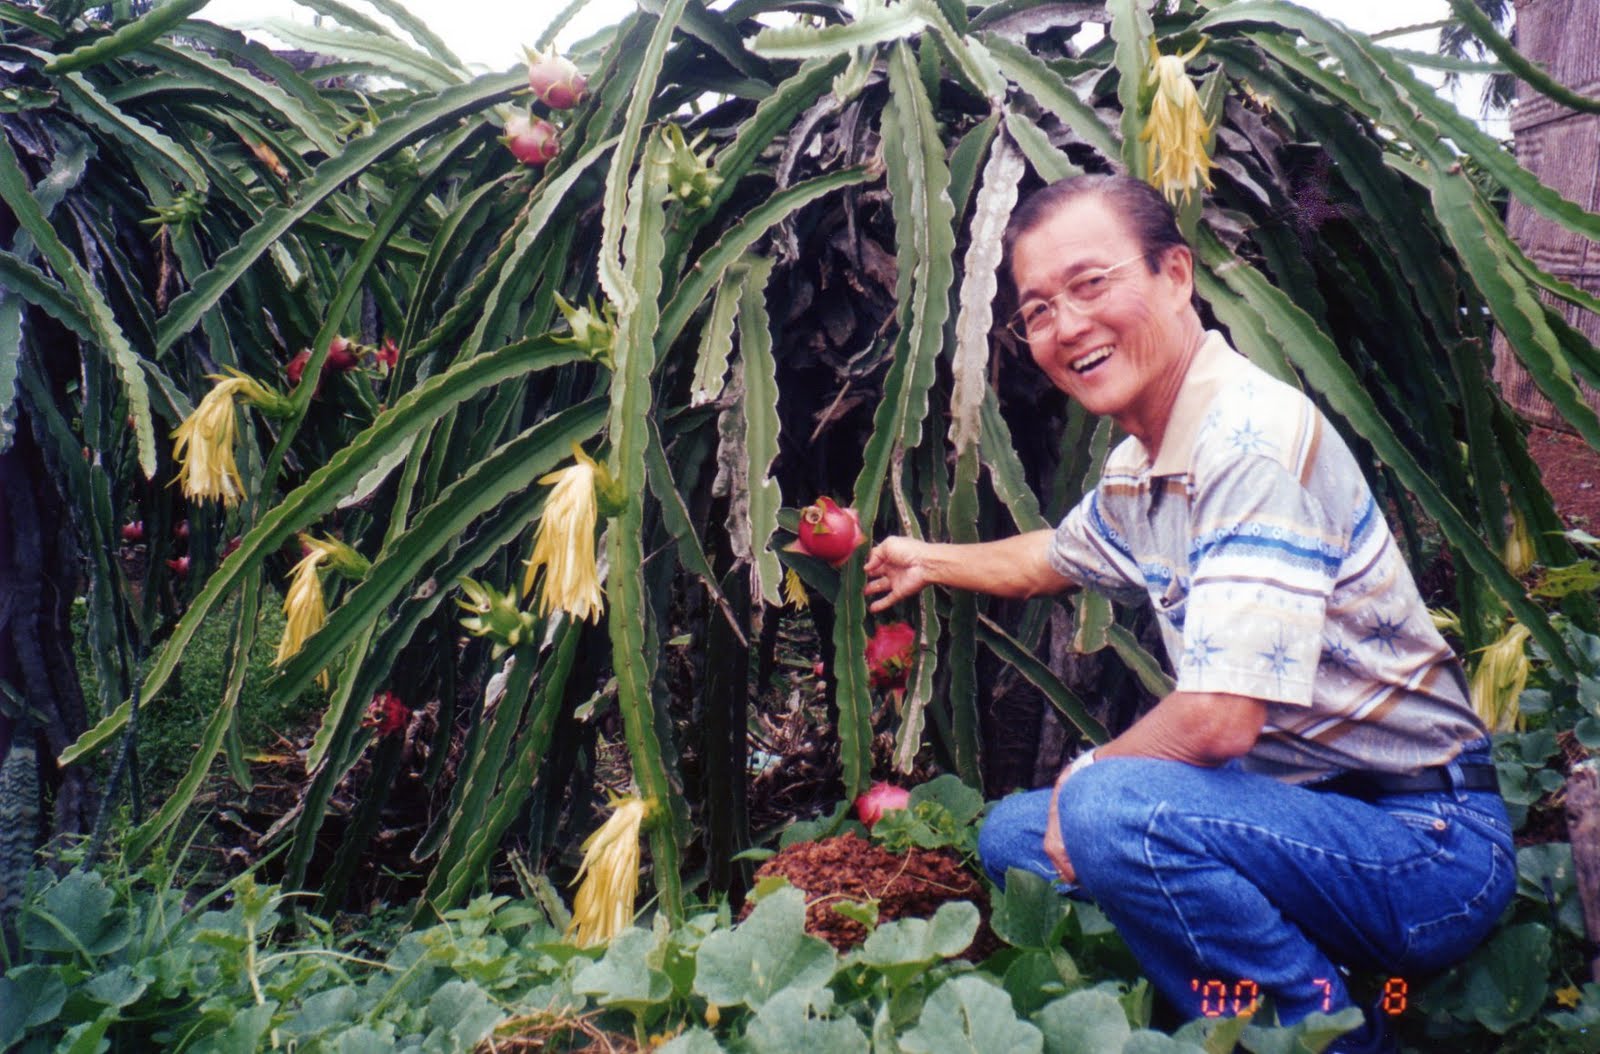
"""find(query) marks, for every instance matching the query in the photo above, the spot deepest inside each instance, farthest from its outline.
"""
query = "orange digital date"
(1218, 998)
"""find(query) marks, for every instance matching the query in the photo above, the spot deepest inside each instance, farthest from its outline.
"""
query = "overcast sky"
(491, 33)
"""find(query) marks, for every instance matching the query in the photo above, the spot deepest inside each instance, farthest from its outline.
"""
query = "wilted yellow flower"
(1445, 620)
(1498, 681)
(794, 591)
(204, 441)
(1518, 555)
(304, 608)
(609, 875)
(1177, 129)
(564, 543)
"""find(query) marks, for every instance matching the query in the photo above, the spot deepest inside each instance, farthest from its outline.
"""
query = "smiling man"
(1316, 794)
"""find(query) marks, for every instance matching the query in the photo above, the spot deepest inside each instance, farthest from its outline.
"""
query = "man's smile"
(1086, 362)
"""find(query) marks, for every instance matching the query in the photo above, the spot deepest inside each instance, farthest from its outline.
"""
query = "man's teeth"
(1091, 360)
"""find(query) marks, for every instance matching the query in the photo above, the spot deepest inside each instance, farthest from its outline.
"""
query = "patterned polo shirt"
(1274, 575)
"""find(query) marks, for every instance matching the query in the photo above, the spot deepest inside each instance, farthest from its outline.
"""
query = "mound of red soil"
(905, 885)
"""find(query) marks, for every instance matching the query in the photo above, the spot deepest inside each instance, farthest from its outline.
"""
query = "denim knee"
(1104, 818)
(1012, 836)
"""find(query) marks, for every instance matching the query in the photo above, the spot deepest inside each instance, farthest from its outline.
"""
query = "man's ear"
(1177, 266)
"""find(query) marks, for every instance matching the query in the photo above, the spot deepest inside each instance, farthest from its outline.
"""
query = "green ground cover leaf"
(768, 952)
(1085, 1022)
(795, 1022)
(970, 1015)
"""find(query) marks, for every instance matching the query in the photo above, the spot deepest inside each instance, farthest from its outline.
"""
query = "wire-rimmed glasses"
(1037, 314)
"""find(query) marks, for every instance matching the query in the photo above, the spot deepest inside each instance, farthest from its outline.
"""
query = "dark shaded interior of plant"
(786, 237)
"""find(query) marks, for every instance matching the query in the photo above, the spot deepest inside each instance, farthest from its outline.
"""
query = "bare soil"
(847, 867)
(1571, 471)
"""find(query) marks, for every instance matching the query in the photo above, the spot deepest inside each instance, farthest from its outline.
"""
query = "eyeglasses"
(1038, 314)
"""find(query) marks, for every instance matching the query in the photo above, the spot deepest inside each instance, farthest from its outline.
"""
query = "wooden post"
(1583, 827)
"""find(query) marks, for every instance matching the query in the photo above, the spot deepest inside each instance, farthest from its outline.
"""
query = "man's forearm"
(1199, 728)
(1018, 566)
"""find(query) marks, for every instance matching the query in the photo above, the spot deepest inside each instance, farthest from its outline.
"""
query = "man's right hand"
(896, 568)
(1055, 846)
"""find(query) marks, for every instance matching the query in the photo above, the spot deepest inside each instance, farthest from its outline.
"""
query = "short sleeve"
(1089, 549)
(1265, 556)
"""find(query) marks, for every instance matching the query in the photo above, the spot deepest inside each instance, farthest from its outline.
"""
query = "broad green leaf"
(76, 914)
(905, 948)
(1312, 1033)
(1085, 1022)
(624, 977)
(1028, 912)
(696, 1040)
(968, 1015)
(767, 953)
(789, 1023)
(116, 987)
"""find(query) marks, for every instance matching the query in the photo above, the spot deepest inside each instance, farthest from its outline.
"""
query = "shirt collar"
(1213, 365)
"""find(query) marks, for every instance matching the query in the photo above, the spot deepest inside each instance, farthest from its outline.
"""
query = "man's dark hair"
(1148, 216)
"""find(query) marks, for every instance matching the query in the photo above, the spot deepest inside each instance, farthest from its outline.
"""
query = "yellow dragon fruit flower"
(608, 878)
(1499, 678)
(304, 607)
(1518, 555)
(794, 591)
(1176, 130)
(564, 543)
(204, 442)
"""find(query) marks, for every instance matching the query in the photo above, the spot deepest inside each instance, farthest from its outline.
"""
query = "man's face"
(1122, 356)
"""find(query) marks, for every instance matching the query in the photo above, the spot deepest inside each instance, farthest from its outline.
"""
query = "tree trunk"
(41, 705)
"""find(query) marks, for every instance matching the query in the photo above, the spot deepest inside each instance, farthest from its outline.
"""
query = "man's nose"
(1069, 322)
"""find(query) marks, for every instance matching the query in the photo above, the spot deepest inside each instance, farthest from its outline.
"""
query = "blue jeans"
(1219, 875)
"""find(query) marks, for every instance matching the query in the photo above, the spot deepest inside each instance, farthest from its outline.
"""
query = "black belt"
(1475, 776)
